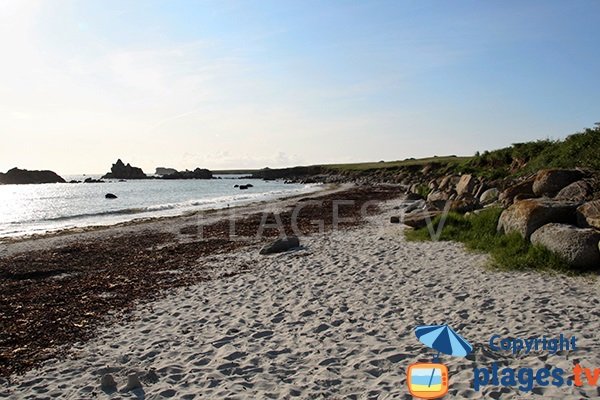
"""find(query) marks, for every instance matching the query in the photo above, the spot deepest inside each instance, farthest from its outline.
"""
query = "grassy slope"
(478, 232)
(395, 164)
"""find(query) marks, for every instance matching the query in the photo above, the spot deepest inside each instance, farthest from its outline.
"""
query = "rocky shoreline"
(556, 208)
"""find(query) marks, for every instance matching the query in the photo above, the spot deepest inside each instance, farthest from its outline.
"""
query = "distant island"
(18, 176)
(120, 170)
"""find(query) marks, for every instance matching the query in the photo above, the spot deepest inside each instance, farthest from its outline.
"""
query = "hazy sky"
(224, 84)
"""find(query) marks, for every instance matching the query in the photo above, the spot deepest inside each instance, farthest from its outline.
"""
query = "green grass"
(396, 164)
(478, 232)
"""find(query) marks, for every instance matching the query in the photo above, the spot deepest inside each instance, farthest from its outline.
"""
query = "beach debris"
(579, 246)
(133, 382)
(549, 182)
(244, 187)
(150, 377)
(110, 196)
(281, 245)
(107, 383)
(395, 220)
(525, 216)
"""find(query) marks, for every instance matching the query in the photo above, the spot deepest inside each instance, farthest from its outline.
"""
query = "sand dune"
(333, 319)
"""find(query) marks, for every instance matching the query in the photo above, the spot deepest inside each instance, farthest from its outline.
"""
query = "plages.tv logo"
(430, 380)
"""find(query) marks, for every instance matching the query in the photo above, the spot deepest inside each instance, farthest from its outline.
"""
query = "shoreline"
(332, 319)
(58, 290)
(144, 219)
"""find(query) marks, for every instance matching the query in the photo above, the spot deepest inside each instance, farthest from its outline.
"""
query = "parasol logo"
(430, 380)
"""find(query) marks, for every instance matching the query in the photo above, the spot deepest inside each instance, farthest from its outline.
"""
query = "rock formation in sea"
(121, 171)
(23, 176)
(165, 171)
(198, 173)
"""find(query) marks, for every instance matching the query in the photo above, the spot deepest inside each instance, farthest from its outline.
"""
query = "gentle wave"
(110, 217)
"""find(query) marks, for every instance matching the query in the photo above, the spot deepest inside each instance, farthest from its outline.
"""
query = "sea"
(37, 209)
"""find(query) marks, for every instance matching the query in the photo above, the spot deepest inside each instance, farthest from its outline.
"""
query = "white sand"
(332, 320)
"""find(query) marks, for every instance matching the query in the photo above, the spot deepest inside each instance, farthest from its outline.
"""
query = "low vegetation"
(478, 232)
(409, 162)
(579, 150)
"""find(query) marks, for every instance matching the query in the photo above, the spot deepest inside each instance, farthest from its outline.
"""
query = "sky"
(248, 84)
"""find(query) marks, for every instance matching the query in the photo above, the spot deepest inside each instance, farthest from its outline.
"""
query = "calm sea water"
(29, 209)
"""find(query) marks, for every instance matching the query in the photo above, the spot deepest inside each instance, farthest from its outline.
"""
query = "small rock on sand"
(133, 382)
(281, 245)
(107, 382)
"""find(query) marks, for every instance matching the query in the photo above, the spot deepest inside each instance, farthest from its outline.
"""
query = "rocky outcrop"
(548, 182)
(489, 196)
(526, 216)
(578, 246)
(588, 214)
(281, 245)
(92, 180)
(579, 192)
(437, 195)
(524, 188)
(464, 204)
(164, 171)
(466, 184)
(18, 176)
(198, 173)
(121, 171)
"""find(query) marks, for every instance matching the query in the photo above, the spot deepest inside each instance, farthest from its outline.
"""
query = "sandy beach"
(332, 319)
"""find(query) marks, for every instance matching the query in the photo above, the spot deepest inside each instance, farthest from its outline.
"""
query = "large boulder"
(526, 216)
(281, 245)
(22, 176)
(579, 192)
(489, 196)
(121, 171)
(549, 182)
(419, 219)
(448, 182)
(466, 184)
(436, 195)
(524, 188)
(464, 204)
(578, 246)
(588, 214)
